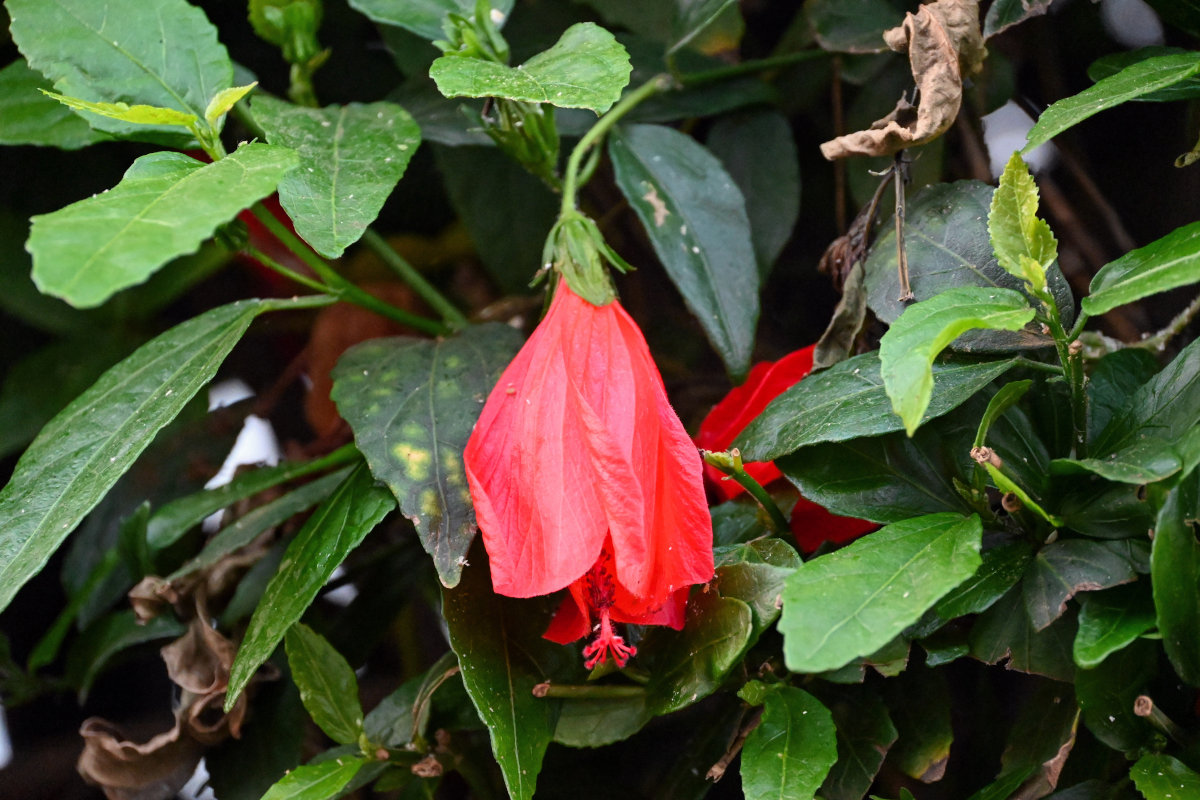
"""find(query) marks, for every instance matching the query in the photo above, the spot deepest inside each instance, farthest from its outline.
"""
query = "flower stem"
(570, 187)
(335, 284)
(730, 463)
(453, 318)
(601, 691)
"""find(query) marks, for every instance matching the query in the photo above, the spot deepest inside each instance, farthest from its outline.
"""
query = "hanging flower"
(810, 523)
(583, 478)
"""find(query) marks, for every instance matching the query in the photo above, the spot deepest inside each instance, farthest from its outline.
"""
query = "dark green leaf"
(696, 219)
(1004, 632)
(327, 684)
(317, 781)
(848, 401)
(1132, 82)
(915, 339)
(919, 701)
(737, 521)
(1041, 738)
(107, 638)
(650, 18)
(1183, 14)
(948, 245)
(1113, 63)
(1158, 776)
(1107, 693)
(351, 158)
(852, 602)
(165, 206)
(1113, 380)
(1109, 621)
(162, 53)
(270, 744)
(1003, 565)
(82, 452)
(790, 752)
(502, 655)
(174, 519)
(1068, 566)
(1167, 406)
(1102, 510)
(689, 665)
(1175, 573)
(864, 735)
(586, 722)
(423, 18)
(1003, 14)
(412, 404)
(692, 17)
(758, 150)
(29, 117)
(755, 573)
(335, 528)
(1172, 261)
(586, 68)
(1145, 461)
(852, 26)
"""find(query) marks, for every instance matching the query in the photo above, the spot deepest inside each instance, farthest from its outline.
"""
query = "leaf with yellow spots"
(412, 404)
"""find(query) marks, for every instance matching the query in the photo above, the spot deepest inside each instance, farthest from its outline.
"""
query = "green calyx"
(576, 250)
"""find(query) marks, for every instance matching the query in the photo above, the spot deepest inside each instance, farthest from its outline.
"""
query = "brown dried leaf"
(151, 597)
(944, 43)
(155, 770)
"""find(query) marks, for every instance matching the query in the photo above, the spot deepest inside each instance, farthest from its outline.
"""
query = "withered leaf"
(944, 43)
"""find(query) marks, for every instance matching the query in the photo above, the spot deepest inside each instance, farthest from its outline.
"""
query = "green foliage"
(788, 755)
(327, 685)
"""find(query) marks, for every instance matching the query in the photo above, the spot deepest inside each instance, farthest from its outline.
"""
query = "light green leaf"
(425, 17)
(907, 350)
(82, 452)
(160, 53)
(789, 753)
(166, 206)
(1145, 461)
(1158, 776)
(1004, 399)
(696, 219)
(848, 401)
(136, 114)
(412, 404)
(351, 159)
(335, 528)
(1170, 262)
(1175, 574)
(327, 684)
(1024, 244)
(1132, 82)
(319, 781)
(27, 116)
(851, 602)
(223, 101)
(586, 68)
(1110, 620)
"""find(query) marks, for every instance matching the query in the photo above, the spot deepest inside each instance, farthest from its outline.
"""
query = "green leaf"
(1158, 776)
(852, 602)
(162, 53)
(852, 26)
(1109, 621)
(948, 244)
(1170, 262)
(165, 206)
(919, 700)
(28, 116)
(696, 219)
(1113, 63)
(82, 452)
(587, 722)
(327, 684)
(865, 734)
(1003, 14)
(1003, 565)
(135, 114)
(351, 159)
(1024, 244)
(1113, 381)
(755, 573)
(586, 68)
(334, 529)
(849, 401)
(1041, 738)
(1144, 461)
(758, 150)
(1107, 692)
(907, 350)
(223, 101)
(107, 638)
(1175, 574)
(1167, 407)
(1132, 82)
(1102, 510)
(503, 656)
(412, 404)
(1062, 568)
(1004, 633)
(1008, 396)
(688, 665)
(789, 753)
(692, 17)
(425, 17)
(318, 781)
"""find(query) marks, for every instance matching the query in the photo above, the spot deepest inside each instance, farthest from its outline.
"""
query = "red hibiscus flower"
(583, 478)
(810, 523)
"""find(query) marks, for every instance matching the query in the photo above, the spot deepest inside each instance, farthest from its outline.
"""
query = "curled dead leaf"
(944, 43)
(154, 770)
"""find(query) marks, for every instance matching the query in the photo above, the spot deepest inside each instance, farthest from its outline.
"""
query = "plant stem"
(338, 286)
(587, 691)
(291, 274)
(453, 318)
(627, 103)
(749, 67)
(1070, 355)
(1159, 340)
(1040, 366)
(731, 464)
